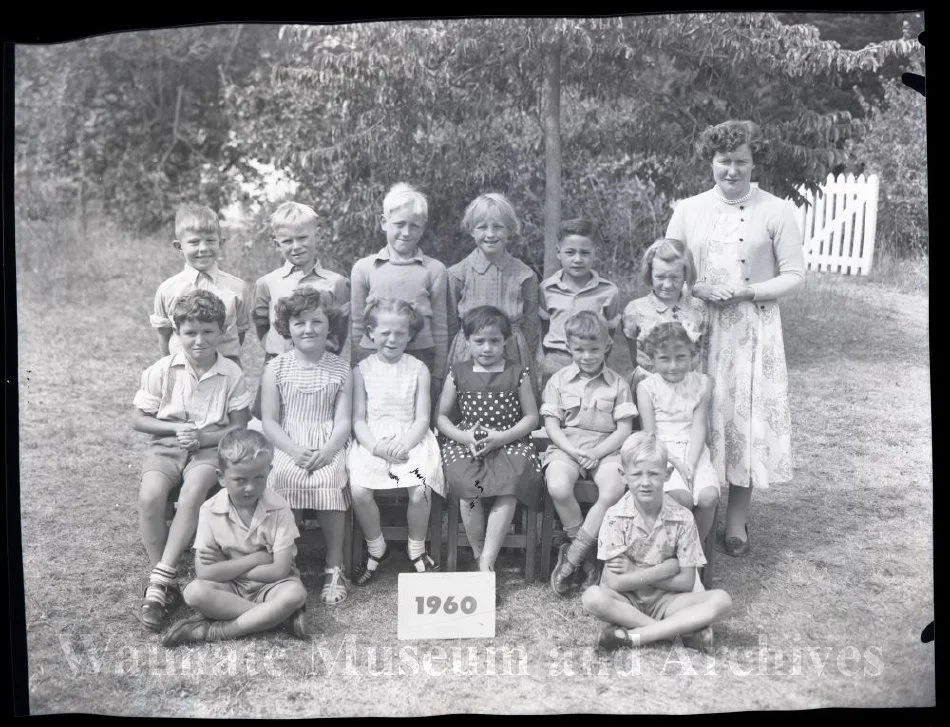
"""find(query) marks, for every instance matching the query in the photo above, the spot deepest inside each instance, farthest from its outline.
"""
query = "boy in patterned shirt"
(651, 549)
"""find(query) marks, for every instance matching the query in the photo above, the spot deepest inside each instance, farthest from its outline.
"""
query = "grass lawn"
(828, 608)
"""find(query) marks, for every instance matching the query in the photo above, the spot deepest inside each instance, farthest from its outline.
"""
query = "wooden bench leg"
(356, 552)
(547, 534)
(709, 548)
(531, 546)
(348, 541)
(452, 539)
(435, 527)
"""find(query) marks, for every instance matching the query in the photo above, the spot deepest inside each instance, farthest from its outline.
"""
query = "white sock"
(376, 547)
(416, 548)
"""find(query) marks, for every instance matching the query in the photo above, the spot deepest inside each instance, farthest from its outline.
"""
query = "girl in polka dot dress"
(489, 453)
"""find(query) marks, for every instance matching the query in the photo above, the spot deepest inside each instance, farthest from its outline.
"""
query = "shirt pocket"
(571, 405)
(598, 414)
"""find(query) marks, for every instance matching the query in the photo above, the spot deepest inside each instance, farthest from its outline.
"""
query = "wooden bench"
(524, 538)
(392, 508)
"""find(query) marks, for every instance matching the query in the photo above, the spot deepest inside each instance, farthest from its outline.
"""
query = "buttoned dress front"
(739, 245)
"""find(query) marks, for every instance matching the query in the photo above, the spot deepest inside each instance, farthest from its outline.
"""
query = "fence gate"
(839, 224)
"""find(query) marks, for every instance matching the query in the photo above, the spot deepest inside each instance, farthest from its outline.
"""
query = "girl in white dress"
(394, 446)
(674, 405)
(305, 411)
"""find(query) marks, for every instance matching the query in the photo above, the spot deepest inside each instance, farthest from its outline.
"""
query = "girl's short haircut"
(377, 306)
(483, 316)
(199, 305)
(303, 300)
(669, 251)
(243, 445)
(482, 205)
(729, 136)
(293, 214)
(580, 226)
(640, 446)
(402, 194)
(666, 334)
(587, 326)
(195, 218)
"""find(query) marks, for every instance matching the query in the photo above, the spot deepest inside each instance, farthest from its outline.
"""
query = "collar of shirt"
(557, 280)
(384, 254)
(627, 507)
(574, 372)
(221, 505)
(211, 273)
(480, 262)
(179, 359)
(661, 307)
(288, 269)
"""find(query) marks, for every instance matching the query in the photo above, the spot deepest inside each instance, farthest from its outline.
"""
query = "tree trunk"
(551, 123)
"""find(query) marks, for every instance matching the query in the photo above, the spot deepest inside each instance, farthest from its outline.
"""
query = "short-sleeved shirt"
(674, 535)
(421, 280)
(594, 403)
(233, 292)
(644, 314)
(221, 530)
(173, 392)
(558, 302)
(285, 280)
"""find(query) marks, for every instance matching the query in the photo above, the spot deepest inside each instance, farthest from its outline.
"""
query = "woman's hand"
(740, 294)
(715, 293)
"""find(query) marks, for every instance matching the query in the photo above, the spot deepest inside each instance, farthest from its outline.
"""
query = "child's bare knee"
(610, 490)
(194, 593)
(708, 497)
(682, 497)
(297, 595)
(593, 600)
(560, 485)
(153, 493)
(194, 490)
(722, 601)
(418, 495)
(361, 495)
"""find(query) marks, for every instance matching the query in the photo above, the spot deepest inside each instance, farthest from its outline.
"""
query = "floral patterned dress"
(750, 423)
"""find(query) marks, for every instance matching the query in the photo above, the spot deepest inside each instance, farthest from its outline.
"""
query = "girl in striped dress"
(305, 409)
(394, 446)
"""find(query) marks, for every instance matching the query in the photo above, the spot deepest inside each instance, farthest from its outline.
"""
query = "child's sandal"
(154, 614)
(610, 641)
(701, 640)
(364, 574)
(334, 589)
(425, 560)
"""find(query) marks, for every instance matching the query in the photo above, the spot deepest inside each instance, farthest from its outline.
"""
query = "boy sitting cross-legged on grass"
(588, 411)
(652, 549)
(244, 552)
(187, 401)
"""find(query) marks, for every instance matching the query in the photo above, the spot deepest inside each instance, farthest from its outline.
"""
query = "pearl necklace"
(744, 198)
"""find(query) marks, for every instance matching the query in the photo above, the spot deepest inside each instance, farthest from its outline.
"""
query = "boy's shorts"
(584, 439)
(165, 456)
(653, 605)
(256, 591)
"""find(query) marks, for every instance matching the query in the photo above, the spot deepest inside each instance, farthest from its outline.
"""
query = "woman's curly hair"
(729, 136)
(301, 301)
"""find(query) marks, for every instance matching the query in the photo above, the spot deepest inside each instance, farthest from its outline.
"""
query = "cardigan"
(770, 253)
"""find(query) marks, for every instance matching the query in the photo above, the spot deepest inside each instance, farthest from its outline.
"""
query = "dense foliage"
(141, 121)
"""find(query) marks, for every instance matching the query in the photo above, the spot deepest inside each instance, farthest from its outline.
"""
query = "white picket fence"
(839, 224)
